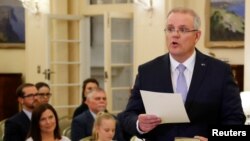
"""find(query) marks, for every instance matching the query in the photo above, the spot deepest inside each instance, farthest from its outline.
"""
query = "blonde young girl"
(104, 127)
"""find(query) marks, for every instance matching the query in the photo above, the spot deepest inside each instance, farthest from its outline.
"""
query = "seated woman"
(103, 128)
(88, 85)
(43, 95)
(44, 125)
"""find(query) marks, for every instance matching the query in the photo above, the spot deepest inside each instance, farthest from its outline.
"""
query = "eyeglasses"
(43, 95)
(171, 30)
(29, 96)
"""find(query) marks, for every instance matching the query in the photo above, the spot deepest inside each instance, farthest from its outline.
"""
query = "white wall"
(149, 38)
(35, 47)
(12, 61)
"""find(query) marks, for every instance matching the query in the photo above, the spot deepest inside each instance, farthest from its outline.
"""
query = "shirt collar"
(93, 114)
(189, 63)
(28, 113)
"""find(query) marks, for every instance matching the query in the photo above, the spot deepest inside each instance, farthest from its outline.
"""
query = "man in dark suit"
(82, 124)
(212, 94)
(16, 127)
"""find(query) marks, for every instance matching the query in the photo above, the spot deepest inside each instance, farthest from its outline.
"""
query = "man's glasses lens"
(29, 96)
(43, 95)
(171, 30)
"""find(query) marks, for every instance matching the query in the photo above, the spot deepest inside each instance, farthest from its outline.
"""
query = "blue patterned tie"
(181, 86)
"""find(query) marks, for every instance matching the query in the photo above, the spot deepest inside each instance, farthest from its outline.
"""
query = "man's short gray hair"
(197, 21)
(90, 94)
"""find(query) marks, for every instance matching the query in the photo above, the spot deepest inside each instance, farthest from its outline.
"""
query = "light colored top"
(64, 138)
(189, 64)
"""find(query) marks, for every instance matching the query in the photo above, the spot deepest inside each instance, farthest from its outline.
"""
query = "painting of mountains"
(11, 22)
(227, 20)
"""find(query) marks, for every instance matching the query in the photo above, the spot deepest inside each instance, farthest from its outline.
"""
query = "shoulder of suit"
(84, 114)
(18, 116)
(157, 60)
(79, 117)
(214, 61)
(211, 63)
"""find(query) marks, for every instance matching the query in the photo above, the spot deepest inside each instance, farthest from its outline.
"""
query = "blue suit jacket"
(80, 109)
(213, 98)
(17, 127)
(82, 125)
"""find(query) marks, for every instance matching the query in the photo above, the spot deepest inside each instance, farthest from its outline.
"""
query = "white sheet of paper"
(168, 106)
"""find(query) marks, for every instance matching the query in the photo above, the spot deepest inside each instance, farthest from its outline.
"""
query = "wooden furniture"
(238, 72)
(8, 99)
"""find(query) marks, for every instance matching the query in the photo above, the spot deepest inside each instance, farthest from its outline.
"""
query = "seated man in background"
(82, 124)
(16, 127)
(88, 85)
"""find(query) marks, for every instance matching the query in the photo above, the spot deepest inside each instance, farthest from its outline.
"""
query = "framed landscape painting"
(226, 23)
(12, 31)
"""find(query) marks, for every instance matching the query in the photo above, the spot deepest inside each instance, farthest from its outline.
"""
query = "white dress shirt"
(189, 64)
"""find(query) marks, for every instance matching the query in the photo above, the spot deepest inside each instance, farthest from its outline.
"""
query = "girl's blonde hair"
(99, 118)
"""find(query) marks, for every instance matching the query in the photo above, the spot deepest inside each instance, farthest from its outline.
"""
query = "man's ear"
(87, 101)
(20, 100)
(198, 35)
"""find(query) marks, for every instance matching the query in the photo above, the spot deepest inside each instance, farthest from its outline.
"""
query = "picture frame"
(225, 23)
(12, 24)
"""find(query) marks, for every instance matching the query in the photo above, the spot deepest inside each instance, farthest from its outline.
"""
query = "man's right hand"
(148, 122)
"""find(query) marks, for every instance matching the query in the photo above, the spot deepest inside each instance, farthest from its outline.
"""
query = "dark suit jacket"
(80, 109)
(82, 125)
(213, 98)
(17, 127)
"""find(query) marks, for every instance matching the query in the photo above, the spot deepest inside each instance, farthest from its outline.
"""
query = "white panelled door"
(64, 64)
(111, 55)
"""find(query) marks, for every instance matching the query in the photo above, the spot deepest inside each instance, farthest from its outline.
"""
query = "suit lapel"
(25, 120)
(90, 117)
(90, 122)
(166, 75)
(197, 78)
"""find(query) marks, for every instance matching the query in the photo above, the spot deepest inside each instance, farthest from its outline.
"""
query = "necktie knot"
(181, 68)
